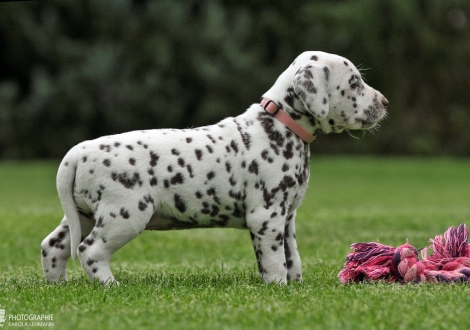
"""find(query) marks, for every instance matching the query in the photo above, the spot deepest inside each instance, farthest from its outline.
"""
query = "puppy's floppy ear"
(311, 86)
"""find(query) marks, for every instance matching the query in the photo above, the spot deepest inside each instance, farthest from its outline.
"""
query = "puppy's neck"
(294, 107)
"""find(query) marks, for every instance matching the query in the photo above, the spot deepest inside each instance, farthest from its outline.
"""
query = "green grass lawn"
(206, 279)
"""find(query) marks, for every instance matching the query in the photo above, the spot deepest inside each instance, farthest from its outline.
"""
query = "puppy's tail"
(65, 186)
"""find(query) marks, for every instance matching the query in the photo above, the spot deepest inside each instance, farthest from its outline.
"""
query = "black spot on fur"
(53, 241)
(132, 161)
(100, 223)
(268, 126)
(210, 175)
(253, 168)
(309, 86)
(237, 212)
(180, 204)
(288, 152)
(290, 263)
(211, 138)
(205, 208)
(148, 199)
(124, 213)
(287, 182)
(232, 181)
(142, 205)
(105, 147)
(327, 73)
(212, 192)
(127, 181)
(198, 153)
(246, 137)
(190, 171)
(177, 179)
(189, 140)
(215, 210)
(153, 159)
(175, 152)
(235, 195)
(130, 147)
(265, 156)
(234, 146)
(314, 58)
(289, 99)
(107, 162)
(263, 228)
(89, 241)
(228, 167)
(181, 162)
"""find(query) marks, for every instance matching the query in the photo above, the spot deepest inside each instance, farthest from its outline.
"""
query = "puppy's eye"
(354, 84)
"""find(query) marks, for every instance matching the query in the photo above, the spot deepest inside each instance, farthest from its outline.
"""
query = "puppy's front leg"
(267, 234)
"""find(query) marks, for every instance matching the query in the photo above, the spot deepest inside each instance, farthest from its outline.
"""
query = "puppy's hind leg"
(111, 232)
(55, 250)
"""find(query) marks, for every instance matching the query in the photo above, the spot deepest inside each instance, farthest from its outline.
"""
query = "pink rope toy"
(450, 261)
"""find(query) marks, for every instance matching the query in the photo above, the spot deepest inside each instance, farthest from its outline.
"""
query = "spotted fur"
(248, 172)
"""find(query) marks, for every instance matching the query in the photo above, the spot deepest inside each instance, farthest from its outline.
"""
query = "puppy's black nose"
(384, 101)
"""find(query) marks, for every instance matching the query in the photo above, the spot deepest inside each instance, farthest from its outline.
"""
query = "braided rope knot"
(406, 265)
(450, 261)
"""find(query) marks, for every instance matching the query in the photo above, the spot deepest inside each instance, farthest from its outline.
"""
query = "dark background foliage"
(76, 70)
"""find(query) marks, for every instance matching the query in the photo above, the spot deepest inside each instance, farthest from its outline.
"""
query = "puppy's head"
(330, 90)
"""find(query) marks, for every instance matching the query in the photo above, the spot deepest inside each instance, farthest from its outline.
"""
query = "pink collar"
(274, 110)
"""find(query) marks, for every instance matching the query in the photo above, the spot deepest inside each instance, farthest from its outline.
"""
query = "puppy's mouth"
(373, 115)
(365, 125)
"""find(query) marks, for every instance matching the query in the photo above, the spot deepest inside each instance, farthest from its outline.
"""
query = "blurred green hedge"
(76, 70)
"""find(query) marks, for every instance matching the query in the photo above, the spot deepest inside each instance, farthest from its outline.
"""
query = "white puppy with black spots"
(248, 172)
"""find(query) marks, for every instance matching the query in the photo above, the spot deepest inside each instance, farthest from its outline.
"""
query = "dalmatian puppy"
(248, 172)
